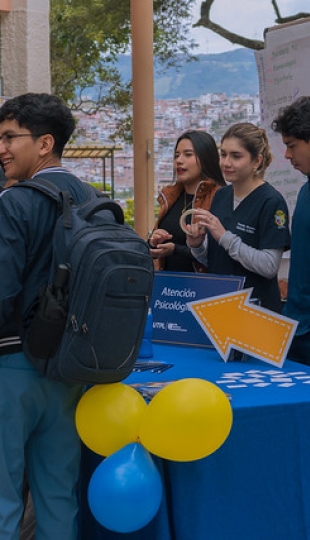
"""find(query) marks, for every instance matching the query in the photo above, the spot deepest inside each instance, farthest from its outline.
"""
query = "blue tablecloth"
(257, 485)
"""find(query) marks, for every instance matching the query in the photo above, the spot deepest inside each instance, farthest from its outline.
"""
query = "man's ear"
(47, 143)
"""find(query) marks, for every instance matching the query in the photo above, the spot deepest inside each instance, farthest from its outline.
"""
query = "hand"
(204, 221)
(159, 236)
(195, 236)
(211, 223)
(162, 250)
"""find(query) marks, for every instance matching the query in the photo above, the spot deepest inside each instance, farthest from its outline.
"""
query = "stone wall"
(25, 47)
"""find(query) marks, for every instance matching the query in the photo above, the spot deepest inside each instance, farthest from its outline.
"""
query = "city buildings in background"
(210, 112)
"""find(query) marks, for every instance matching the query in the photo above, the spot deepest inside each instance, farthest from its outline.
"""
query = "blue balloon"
(125, 490)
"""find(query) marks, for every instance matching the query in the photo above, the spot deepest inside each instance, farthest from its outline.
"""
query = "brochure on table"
(173, 321)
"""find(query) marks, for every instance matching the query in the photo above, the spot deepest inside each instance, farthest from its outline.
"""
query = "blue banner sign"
(173, 322)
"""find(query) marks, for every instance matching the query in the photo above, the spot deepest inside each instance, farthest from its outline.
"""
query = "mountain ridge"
(231, 72)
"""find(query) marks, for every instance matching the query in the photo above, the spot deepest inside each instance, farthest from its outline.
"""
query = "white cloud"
(245, 17)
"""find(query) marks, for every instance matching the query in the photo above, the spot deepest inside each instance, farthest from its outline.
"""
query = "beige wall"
(25, 48)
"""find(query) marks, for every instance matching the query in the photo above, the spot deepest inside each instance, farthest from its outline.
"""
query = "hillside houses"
(210, 112)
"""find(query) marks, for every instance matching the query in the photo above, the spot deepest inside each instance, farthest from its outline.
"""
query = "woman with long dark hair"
(197, 176)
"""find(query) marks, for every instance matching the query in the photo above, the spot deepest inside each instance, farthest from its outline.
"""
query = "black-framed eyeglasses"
(7, 138)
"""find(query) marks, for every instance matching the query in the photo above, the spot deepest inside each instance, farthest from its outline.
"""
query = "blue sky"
(246, 17)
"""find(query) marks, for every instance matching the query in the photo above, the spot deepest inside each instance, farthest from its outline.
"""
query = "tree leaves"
(86, 39)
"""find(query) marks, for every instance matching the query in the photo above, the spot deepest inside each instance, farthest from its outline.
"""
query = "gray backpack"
(91, 315)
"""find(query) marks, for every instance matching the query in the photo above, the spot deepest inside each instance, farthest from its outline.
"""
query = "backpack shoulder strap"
(43, 185)
(95, 202)
(62, 198)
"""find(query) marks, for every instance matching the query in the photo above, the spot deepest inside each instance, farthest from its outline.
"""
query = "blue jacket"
(27, 219)
(298, 297)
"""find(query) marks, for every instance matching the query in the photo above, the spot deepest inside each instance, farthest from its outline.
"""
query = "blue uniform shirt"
(261, 221)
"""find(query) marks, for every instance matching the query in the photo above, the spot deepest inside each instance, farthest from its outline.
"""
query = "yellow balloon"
(187, 420)
(108, 417)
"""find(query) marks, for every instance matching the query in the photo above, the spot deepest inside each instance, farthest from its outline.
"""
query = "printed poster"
(173, 322)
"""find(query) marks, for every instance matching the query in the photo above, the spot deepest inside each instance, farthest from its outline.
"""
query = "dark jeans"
(300, 349)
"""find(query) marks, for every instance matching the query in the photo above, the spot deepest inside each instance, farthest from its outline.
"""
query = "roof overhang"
(89, 151)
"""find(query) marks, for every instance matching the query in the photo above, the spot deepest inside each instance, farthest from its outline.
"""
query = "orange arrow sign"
(231, 321)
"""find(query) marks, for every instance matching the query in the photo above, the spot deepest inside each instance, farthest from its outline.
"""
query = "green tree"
(87, 37)
(206, 22)
(129, 212)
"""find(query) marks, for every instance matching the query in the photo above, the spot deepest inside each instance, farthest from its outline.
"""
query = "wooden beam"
(143, 113)
(5, 5)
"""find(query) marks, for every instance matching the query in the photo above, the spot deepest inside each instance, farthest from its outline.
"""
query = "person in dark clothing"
(37, 429)
(197, 177)
(248, 224)
(293, 122)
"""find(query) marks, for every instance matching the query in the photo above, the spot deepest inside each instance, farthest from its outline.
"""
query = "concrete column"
(25, 46)
(143, 113)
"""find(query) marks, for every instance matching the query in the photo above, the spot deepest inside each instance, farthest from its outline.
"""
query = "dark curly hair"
(42, 114)
(294, 120)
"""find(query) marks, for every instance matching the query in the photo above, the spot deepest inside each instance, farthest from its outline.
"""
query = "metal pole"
(104, 175)
(143, 113)
(112, 175)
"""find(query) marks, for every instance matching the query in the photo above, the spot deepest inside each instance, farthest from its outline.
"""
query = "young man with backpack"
(37, 428)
